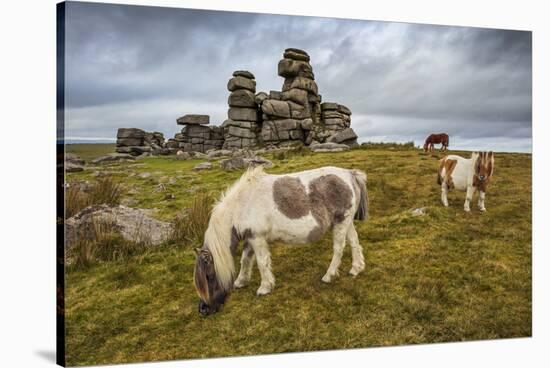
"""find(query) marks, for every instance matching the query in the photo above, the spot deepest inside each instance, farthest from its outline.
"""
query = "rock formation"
(196, 135)
(137, 141)
(133, 224)
(241, 128)
(292, 116)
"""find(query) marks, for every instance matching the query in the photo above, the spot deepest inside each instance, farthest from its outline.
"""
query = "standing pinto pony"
(466, 175)
(432, 139)
(295, 208)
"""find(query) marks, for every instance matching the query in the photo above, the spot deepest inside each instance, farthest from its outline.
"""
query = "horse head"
(484, 166)
(212, 295)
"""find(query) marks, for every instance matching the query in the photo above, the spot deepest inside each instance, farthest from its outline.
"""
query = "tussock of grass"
(105, 244)
(105, 190)
(191, 223)
(444, 276)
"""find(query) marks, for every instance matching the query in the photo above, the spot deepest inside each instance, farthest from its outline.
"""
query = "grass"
(190, 224)
(104, 190)
(445, 276)
(90, 151)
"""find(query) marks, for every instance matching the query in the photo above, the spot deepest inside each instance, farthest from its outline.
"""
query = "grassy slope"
(90, 151)
(446, 276)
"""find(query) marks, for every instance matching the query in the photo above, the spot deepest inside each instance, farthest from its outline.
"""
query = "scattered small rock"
(219, 153)
(74, 159)
(144, 175)
(181, 155)
(113, 157)
(71, 167)
(199, 155)
(418, 212)
(328, 147)
(237, 163)
(203, 166)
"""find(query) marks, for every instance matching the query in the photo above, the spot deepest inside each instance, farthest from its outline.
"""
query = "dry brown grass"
(105, 190)
(104, 244)
(191, 223)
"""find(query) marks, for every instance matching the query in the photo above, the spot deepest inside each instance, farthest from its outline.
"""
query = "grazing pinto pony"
(466, 175)
(432, 139)
(295, 208)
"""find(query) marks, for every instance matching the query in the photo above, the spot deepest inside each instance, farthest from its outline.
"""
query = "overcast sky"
(132, 66)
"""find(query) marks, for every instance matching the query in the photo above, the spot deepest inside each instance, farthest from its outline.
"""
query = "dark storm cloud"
(145, 66)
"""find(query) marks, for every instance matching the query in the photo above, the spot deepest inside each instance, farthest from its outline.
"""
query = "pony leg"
(481, 201)
(358, 260)
(247, 262)
(263, 258)
(444, 192)
(338, 243)
(469, 194)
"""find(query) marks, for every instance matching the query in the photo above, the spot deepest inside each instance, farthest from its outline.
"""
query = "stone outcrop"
(241, 128)
(73, 163)
(136, 141)
(133, 224)
(113, 157)
(289, 115)
(196, 136)
(295, 115)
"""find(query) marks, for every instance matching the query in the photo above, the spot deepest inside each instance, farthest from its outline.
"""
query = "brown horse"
(432, 139)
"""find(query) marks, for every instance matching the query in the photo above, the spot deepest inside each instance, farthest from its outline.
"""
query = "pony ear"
(197, 251)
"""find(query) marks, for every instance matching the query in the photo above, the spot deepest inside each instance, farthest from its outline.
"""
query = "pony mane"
(218, 235)
(251, 174)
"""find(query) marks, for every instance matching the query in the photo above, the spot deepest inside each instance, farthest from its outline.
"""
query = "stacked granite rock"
(241, 128)
(336, 125)
(288, 116)
(154, 139)
(196, 135)
(132, 141)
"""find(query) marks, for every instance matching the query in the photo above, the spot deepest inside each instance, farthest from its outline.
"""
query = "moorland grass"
(445, 276)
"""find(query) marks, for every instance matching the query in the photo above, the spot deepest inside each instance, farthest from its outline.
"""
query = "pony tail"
(360, 178)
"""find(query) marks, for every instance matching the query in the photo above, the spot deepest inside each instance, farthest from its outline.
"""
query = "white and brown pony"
(466, 175)
(295, 208)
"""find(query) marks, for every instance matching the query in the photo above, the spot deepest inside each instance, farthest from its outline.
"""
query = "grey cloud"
(400, 80)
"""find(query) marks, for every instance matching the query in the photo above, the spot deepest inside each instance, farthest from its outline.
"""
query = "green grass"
(90, 151)
(445, 276)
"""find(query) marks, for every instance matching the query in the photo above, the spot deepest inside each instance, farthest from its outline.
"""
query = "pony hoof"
(327, 279)
(483, 209)
(355, 271)
(466, 209)
(238, 284)
(263, 290)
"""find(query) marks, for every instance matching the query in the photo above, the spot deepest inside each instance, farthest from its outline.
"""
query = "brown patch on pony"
(329, 197)
(449, 166)
(290, 197)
